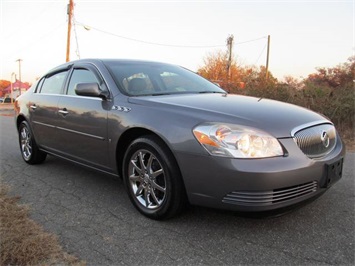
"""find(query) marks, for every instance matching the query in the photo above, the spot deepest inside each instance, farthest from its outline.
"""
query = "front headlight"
(237, 141)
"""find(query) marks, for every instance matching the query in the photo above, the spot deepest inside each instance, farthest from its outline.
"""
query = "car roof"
(98, 61)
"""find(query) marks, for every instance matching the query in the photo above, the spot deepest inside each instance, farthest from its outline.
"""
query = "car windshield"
(141, 78)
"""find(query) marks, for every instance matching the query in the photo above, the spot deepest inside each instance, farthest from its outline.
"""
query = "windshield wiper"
(222, 92)
(161, 93)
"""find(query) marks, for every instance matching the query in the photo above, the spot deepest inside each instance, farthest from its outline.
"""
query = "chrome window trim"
(81, 97)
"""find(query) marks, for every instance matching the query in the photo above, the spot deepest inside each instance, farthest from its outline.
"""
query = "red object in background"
(16, 85)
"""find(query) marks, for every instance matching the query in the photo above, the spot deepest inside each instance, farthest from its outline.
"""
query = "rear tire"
(29, 149)
(152, 178)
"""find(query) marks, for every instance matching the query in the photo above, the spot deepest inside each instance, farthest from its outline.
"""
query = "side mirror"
(90, 90)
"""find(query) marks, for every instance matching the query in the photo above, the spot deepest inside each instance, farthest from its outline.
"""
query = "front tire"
(152, 178)
(29, 150)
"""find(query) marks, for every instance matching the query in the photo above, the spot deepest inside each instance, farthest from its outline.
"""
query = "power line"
(76, 39)
(253, 40)
(147, 42)
(37, 40)
(160, 44)
(262, 51)
(28, 22)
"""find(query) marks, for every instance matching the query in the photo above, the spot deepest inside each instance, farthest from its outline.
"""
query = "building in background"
(15, 89)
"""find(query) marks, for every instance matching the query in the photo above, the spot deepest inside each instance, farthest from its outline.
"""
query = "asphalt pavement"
(95, 221)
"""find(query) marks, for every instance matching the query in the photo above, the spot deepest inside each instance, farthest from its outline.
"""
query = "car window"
(54, 83)
(138, 83)
(175, 82)
(80, 76)
(156, 79)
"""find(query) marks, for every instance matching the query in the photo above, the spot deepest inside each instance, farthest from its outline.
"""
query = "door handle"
(63, 111)
(33, 106)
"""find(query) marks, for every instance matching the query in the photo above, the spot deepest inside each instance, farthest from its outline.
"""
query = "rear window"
(54, 83)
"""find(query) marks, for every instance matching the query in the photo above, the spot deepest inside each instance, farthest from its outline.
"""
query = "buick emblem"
(325, 139)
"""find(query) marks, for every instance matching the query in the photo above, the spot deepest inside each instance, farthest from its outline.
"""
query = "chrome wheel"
(26, 143)
(28, 146)
(147, 179)
(152, 178)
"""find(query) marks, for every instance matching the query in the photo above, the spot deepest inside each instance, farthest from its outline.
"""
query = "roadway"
(95, 221)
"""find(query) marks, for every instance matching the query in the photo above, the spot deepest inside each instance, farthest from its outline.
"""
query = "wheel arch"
(19, 120)
(131, 134)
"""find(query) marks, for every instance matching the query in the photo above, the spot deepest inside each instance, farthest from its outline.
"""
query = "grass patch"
(23, 241)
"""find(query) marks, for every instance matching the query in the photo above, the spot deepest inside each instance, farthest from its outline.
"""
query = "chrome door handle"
(63, 111)
(33, 107)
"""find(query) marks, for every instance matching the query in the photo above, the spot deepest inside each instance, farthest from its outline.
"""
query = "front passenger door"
(82, 127)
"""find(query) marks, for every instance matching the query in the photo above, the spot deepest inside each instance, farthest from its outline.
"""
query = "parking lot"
(94, 219)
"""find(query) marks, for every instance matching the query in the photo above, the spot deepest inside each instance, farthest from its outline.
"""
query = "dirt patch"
(24, 242)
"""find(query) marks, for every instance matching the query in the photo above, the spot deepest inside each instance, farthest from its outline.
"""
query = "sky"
(303, 34)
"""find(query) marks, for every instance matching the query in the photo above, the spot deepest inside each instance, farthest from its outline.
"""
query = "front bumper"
(259, 184)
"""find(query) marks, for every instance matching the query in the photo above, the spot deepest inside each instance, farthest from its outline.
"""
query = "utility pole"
(12, 87)
(19, 72)
(267, 57)
(70, 9)
(229, 46)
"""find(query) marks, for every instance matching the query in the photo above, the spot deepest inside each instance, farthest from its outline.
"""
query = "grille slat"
(293, 189)
(316, 141)
(295, 194)
(258, 198)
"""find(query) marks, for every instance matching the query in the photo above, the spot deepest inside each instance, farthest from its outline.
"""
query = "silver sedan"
(176, 138)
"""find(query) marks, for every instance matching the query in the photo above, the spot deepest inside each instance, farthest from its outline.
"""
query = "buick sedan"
(176, 138)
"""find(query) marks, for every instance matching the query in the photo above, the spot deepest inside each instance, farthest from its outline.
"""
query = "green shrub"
(335, 103)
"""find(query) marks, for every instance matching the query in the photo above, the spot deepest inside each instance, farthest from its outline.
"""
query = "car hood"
(274, 117)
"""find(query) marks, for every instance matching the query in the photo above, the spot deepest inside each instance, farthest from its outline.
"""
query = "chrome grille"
(260, 198)
(316, 141)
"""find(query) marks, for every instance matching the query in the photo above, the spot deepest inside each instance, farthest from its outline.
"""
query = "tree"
(3, 85)
(293, 83)
(242, 79)
(334, 77)
(215, 69)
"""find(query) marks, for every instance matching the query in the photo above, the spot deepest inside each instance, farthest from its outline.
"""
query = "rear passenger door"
(82, 121)
(43, 108)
